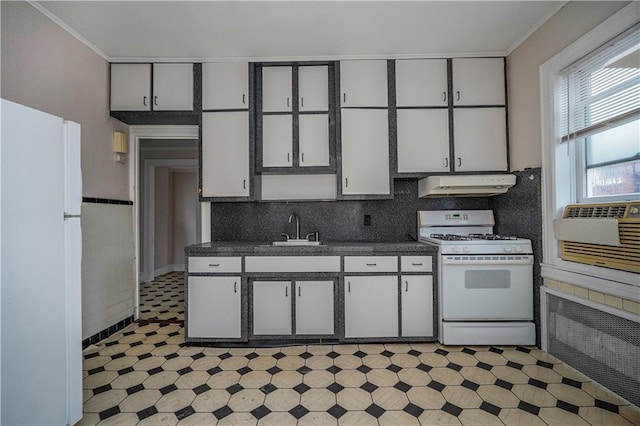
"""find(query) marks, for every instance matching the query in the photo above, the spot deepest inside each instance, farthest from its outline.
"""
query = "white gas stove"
(485, 280)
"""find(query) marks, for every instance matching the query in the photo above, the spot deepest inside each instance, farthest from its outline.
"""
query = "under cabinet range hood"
(465, 185)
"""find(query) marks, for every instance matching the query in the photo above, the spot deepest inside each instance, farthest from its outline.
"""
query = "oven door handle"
(487, 260)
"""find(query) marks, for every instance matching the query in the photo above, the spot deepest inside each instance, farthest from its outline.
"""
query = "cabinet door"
(276, 89)
(365, 152)
(130, 87)
(173, 87)
(421, 82)
(363, 83)
(371, 306)
(417, 305)
(313, 88)
(480, 139)
(214, 308)
(272, 308)
(478, 81)
(423, 140)
(314, 140)
(225, 85)
(277, 142)
(314, 307)
(225, 154)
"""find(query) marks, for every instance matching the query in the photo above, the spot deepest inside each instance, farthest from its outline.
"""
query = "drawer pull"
(416, 264)
(372, 264)
(214, 265)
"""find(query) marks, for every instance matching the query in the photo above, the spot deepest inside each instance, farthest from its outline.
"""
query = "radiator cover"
(600, 345)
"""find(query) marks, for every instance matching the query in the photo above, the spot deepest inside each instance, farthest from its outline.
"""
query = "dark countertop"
(263, 248)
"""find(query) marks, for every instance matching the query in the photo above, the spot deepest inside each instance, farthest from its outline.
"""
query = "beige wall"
(570, 23)
(46, 68)
(163, 237)
(185, 206)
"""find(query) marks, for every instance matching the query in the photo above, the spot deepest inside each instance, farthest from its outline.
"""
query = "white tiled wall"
(595, 296)
(107, 266)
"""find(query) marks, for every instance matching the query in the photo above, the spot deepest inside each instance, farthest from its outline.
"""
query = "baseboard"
(176, 267)
(106, 332)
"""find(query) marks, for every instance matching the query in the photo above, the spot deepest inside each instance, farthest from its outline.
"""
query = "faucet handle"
(315, 234)
(285, 235)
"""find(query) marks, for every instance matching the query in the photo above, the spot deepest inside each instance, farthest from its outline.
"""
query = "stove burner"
(450, 237)
(492, 237)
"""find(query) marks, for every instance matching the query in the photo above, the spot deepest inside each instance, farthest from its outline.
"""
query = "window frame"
(559, 167)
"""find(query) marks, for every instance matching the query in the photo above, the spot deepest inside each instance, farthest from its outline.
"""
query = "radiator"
(610, 237)
(603, 346)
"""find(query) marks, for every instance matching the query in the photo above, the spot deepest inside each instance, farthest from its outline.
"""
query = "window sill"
(610, 281)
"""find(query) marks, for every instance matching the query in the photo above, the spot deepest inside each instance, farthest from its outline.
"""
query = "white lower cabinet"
(214, 305)
(272, 308)
(314, 307)
(417, 305)
(371, 306)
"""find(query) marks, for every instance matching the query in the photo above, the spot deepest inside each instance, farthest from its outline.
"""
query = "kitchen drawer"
(292, 264)
(416, 264)
(215, 265)
(370, 264)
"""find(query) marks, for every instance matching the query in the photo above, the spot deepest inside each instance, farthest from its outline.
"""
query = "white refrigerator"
(41, 318)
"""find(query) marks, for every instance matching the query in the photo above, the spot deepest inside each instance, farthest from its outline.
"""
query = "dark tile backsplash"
(391, 220)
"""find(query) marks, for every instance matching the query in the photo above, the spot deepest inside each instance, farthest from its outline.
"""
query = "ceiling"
(271, 30)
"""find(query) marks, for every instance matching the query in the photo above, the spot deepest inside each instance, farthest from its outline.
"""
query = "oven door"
(486, 287)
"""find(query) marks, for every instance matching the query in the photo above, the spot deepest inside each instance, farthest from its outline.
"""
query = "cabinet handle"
(243, 98)
(214, 265)
(344, 98)
(416, 264)
(346, 182)
(349, 286)
(287, 102)
(372, 264)
(459, 161)
(299, 294)
(244, 184)
(457, 95)
(446, 163)
(406, 286)
(144, 100)
(235, 287)
(302, 102)
(288, 157)
(155, 100)
(444, 96)
(302, 155)
(286, 292)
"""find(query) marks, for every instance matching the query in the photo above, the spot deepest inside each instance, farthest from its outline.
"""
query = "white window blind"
(601, 90)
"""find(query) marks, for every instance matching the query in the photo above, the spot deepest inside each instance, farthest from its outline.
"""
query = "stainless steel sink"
(295, 242)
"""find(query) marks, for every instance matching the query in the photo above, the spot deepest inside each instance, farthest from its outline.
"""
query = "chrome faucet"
(291, 216)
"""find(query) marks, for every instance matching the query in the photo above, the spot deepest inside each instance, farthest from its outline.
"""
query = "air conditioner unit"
(601, 234)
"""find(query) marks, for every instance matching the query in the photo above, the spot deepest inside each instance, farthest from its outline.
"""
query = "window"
(598, 110)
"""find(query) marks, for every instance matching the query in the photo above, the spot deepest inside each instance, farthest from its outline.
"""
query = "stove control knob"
(508, 249)
(519, 249)
(455, 249)
(465, 249)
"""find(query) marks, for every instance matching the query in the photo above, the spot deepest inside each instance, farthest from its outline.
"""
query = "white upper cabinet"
(480, 139)
(478, 81)
(363, 83)
(130, 87)
(276, 89)
(173, 87)
(225, 154)
(423, 140)
(277, 142)
(314, 140)
(313, 88)
(421, 83)
(365, 152)
(225, 85)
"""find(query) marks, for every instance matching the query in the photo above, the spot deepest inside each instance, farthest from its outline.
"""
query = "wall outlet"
(367, 220)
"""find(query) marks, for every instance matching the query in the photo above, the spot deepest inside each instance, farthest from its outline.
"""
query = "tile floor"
(146, 375)
(163, 298)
